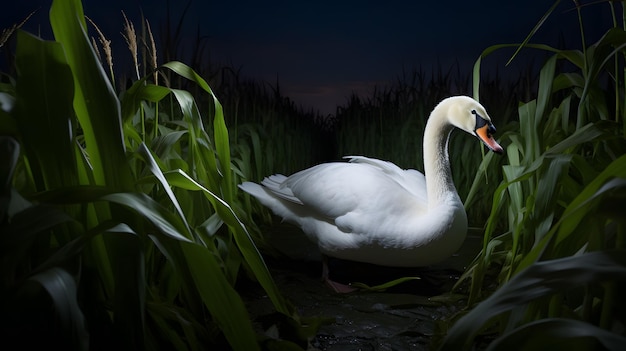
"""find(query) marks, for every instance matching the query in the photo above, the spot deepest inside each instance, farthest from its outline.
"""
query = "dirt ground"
(406, 317)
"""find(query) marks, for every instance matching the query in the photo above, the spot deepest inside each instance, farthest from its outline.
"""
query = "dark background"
(323, 51)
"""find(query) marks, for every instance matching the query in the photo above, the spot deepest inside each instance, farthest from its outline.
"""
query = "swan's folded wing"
(385, 166)
(327, 190)
(412, 180)
(352, 193)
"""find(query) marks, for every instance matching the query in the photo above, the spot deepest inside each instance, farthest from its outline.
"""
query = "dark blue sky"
(323, 51)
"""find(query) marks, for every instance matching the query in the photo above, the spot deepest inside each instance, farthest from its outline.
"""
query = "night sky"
(322, 51)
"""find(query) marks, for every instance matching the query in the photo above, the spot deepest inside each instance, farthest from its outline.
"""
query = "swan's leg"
(337, 287)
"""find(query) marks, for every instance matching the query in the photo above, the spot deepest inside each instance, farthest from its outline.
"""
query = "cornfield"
(121, 223)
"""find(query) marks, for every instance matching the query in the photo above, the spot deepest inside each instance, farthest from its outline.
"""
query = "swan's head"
(467, 114)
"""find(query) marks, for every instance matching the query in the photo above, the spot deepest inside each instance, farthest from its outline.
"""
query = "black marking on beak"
(481, 122)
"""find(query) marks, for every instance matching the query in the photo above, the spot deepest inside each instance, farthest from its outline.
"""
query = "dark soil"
(409, 316)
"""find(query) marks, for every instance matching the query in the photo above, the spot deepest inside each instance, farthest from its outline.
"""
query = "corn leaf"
(538, 280)
(61, 287)
(44, 111)
(558, 334)
(220, 131)
(219, 297)
(162, 219)
(242, 237)
(95, 102)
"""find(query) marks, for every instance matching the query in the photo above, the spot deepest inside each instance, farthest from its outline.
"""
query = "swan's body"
(372, 211)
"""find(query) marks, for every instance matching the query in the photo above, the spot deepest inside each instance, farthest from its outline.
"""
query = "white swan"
(369, 210)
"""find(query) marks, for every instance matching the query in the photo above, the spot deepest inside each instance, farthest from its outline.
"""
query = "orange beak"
(484, 134)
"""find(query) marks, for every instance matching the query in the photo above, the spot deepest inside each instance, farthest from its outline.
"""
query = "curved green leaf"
(156, 171)
(384, 286)
(163, 220)
(95, 102)
(558, 334)
(242, 237)
(61, 287)
(221, 139)
(219, 297)
(9, 153)
(43, 111)
(534, 30)
(538, 280)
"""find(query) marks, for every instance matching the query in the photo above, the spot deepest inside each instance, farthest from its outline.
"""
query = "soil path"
(406, 317)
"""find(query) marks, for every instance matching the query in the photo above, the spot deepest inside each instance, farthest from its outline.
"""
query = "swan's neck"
(439, 184)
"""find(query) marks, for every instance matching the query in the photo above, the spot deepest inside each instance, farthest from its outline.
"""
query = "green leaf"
(558, 334)
(384, 286)
(28, 223)
(73, 194)
(156, 171)
(44, 113)
(488, 51)
(242, 237)
(97, 109)
(220, 131)
(538, 280)
(527, 125)
(95, 102)
(579, 208)
(61, 287)
(534, 30)
(593, 192)
(9, 154)
(138, 92)
(546, 77)
(162, 219)
(220, 298)
(164, 315)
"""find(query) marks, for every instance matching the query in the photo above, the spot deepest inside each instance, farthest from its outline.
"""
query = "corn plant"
(554, 242)
(118, 221)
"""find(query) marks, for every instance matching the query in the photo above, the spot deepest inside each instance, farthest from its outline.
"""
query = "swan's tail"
(280, 200)
(253, 189)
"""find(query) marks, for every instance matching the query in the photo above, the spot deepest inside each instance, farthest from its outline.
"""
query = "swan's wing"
(385, 166)
(410, 179)
(323, 189)
(356, 195)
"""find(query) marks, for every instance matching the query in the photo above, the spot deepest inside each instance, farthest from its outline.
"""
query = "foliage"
(119, 221)
(554, 240)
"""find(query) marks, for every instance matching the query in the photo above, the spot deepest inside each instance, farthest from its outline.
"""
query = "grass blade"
(61, 287)
(219, 297)
(538, 280)
(44, 111)
(242, 237)
(534, 30)
(95, 102)
(558, 334)
(221, 139)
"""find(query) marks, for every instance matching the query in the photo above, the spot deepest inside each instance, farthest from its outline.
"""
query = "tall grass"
(554, 241)
(121, 225)
(118, 220)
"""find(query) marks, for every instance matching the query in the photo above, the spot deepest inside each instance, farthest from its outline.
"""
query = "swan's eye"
(474, 112)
